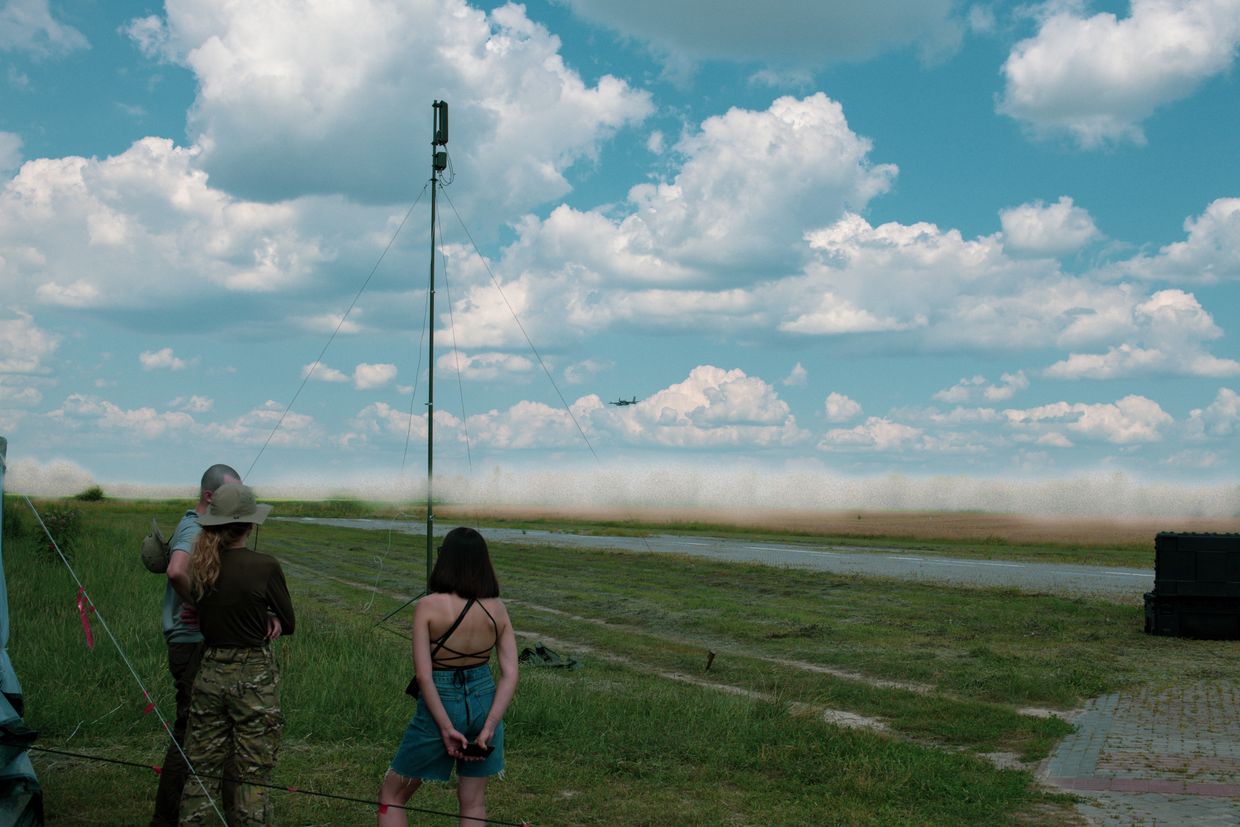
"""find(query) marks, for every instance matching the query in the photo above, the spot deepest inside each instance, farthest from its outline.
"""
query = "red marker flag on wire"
(84, 604)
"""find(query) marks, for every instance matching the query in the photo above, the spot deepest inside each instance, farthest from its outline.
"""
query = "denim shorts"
(466, 695)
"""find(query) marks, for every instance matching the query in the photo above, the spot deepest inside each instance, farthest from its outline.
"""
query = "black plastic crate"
(1197, 565)
(1197, 617)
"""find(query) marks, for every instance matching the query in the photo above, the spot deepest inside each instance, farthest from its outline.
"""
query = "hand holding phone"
(472, 750)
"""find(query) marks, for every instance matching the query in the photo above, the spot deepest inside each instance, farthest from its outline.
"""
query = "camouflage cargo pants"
(234, 718)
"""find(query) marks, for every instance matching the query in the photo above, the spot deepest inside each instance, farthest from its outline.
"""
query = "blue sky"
(913, 245)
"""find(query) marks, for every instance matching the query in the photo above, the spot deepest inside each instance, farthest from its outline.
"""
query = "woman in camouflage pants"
(242, 604)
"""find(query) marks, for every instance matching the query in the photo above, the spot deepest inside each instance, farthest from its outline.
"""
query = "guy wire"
(332, 337)
(124, 658)
(456, 354)
(464, 420)
(517, 319)
(278, 788)
(413, 399)
(533, 349)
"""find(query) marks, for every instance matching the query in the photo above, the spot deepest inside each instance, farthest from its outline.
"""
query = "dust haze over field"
(816, 501)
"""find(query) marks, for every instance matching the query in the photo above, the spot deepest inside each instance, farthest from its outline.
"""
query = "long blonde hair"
(204, 563)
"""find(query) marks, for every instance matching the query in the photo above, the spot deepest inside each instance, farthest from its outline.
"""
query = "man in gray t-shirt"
(184, 643)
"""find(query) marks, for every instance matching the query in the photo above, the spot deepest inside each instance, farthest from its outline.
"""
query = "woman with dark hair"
(460, 714)
(242, 603)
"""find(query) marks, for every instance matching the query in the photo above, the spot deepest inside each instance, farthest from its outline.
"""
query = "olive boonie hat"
(234, 503)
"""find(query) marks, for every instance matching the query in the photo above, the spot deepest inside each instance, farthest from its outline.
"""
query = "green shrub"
(64, 523)
(14, 527)
(93, 494)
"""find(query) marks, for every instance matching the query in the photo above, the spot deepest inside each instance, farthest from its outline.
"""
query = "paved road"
(1055, 578)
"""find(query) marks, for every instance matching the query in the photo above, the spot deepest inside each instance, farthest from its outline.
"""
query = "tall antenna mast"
(439, 162)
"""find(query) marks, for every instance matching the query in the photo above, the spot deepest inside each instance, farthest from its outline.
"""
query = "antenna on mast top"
(441, 123)
(440, 159)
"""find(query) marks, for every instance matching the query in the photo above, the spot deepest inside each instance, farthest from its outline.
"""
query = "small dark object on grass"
(710, 658)
(541, 655)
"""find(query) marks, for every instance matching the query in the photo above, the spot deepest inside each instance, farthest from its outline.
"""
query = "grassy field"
(829, 700)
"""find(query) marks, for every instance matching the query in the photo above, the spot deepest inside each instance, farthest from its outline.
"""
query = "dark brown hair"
(464, 566)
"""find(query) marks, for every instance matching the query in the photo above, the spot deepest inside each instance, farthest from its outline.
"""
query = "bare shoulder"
(497, 609)
(433, 605)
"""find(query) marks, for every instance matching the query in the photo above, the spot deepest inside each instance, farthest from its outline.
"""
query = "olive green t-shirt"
(234, 611)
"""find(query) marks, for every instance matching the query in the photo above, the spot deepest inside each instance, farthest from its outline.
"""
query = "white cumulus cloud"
(367, 376)
(711, 408)
(162, 359)
(875, 434)
(1098, 78)
(334, 108)
(193, 404)
(1220, 418)
(527, 424)
(797, 377)
(28, 26)
(750, 184)
(256, 426)
(141, 229)
(333, 323)
(323, 373)
(975, 388)
(1209, 255)
(1168, 333)
(484, 366)
(24, 346)
(139, 423)
(1047, 230)
(839, 408)
(1133, 419)
(686, 251)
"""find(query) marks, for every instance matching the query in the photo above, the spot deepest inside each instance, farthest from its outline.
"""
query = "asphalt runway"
(1049, 578)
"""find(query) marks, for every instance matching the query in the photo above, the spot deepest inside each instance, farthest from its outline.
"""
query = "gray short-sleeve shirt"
(177, 630)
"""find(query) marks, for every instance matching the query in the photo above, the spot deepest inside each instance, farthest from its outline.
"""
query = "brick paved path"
(1156, 755)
